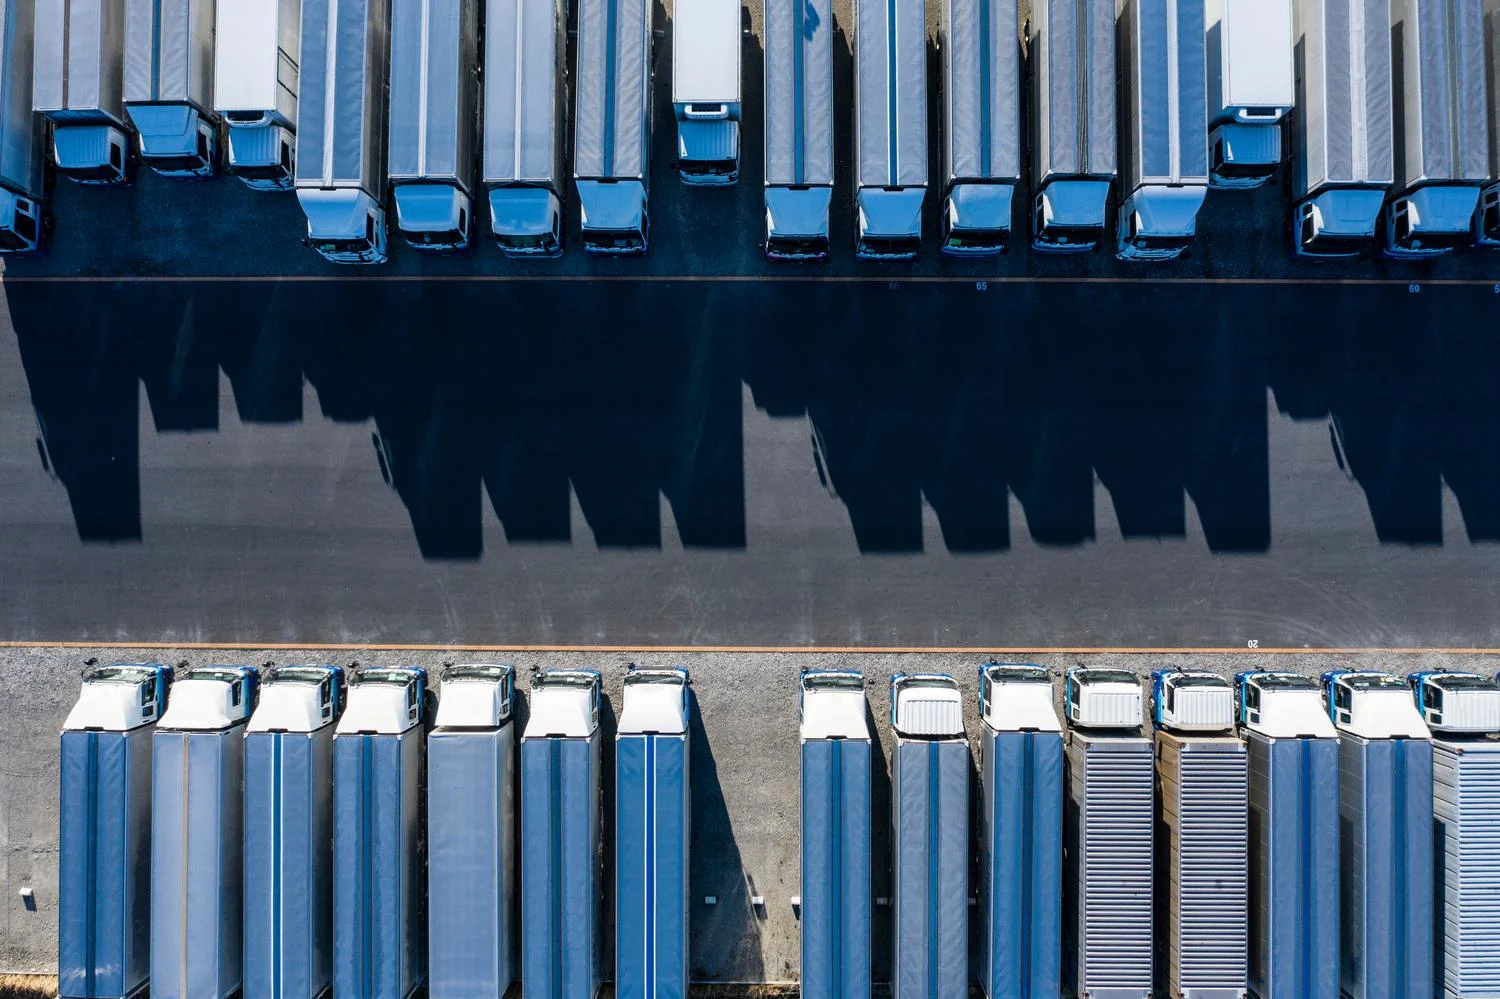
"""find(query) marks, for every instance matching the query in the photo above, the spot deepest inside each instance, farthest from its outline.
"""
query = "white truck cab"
(384, 701)
(564, 704)
(832, 705)
(926, 705)
(1457, 703)
(1191, 701)
(656, 702)
(1372, 705)
(476, 695)
(119, 697)
(298, 699)
(210, 698)
(346, 226)
(1017, 697)
(1282, 705)
(1103, 698)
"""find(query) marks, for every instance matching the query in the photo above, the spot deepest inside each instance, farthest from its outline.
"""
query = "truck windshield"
(448, 237)
(1462, 681)
(475, 671)
(1162, 244)
(336, 247)
(119, 674)
(797, 247)
(977, 239)
(1375, 683)
(706, 168)
(1080, 236)
(1244, 171)
(295, 674)
(1107, 676)
(895, 247)
(273, 171)
(541, 243)
(1188, 680)
(826, 681)
(1275, 681)
(396, 676)
(616, 239)
(1016, 674)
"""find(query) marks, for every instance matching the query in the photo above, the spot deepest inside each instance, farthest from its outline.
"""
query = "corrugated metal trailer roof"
(341, 104)
(80, 56)
(1164, 90)
(169, 51)
(612, 123)
(799, 92)
(890, 88)
(434, 59)
(1073, 88)
(20, 145)
(1442, 91)
(1344, 92)
(524, 96)
(930, 864)
(1466, 807)
(982, 90)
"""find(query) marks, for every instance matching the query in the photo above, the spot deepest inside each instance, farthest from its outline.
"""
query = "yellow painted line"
(822, 650)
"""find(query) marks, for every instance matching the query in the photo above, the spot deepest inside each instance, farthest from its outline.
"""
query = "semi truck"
(1074, 154)
(433, 117)
(706, 90)
(1344, 159)
(1164, 127)
(1020, 834)
(255, 88)
(198, 834)
(798, 97)
(104, 832)
(890, 128)
(1294, 836)
(525, 111)
(78, 85)
(1251, 88)
(1442, 150)
(1184, 701)
(1102, 698)
(22, 178)
(340, 167)
(612, 125)
(1456, 703)
(169, 80)
(981, 89)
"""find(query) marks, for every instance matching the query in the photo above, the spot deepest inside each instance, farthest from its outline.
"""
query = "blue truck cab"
(212, 697)
(1102, 698)
(120, 696)
(1184, 701)
(413, 682)
(1371, 704)
(1456, 702)
(318, 692)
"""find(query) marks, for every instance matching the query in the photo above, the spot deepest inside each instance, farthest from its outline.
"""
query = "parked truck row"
(279, 832)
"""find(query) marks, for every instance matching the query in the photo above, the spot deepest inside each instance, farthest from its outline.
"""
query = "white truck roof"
(114, 699)
(207, 700)
(524, 56)
(1382, 708)
(655, 702)
(890, 88)
(1018, 698)
(799, 92)
(382, 704)
(1250, 49)
(706, 52)
(927, 704)
(255, 55)
(564, 703)
(1200, 702)
(475, 695)
(833, 706)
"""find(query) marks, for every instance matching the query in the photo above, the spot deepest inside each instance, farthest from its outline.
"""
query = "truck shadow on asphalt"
(610, 397)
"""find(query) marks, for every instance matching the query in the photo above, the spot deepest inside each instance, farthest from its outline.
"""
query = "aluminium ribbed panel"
(169, 52)
(525, 100)
(1344, 95)
(104, 864)
(890, 93)
(341, 117)
(288, 864)
(1073, 104)
(79, 72)
(799, 92)
(836, 898)
(1442, 91)
(1204, 856)
(1385, 847)
(197, 863)
(981, 90)
(1294, 867)
(1466, 807)
(652, 827)
(930, 812)
(433, 90)
(1163, 92)
(1109, 843)
(612, 120)
(1020, 864)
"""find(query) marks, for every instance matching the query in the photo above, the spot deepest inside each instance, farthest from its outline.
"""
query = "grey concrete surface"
(745, 776)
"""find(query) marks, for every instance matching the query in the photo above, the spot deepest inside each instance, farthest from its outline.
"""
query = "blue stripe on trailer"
(836, 898)
(651, 866)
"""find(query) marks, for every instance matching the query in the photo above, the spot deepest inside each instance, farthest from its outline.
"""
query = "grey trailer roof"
(982, 90)
(890, 93)
(1492, 80)
(612, 126)
(524, 56)
(1344, 93)
(20, 148)
(434, 59)
(169, 51)
(80, 57)
(1073, 88)
(341, 106)
(799, 92)
(1444, 135)
(1164, 85)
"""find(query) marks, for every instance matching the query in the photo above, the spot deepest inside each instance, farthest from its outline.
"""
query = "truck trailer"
(836, 899)
(289, 833)
(340, 168)
(255, 88)
(890, 127)
(1487, 218)
(799, 127)
(1164, 127)
(22, 178)
(1251, 88)
(706, 90)
(1465, 787)
(1074, 154)
(78, 85)
(471, 834)
(981, 85)
(1442, 149)
(612, 125)
(104, 832)
(434, 114)
(1345, 160)
(1020, 834)
(1294, 836)
(169, 81)
(525, 111)
(198, 834)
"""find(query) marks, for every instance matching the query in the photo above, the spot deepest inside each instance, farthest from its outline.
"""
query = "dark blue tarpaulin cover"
(1294, 868)
(104, 864)
(652, 822)
(379, 925)
(288, 864)
(1020, 880)
(560, 890)
(197, 864)
(471, 862)
(930, 798)
(836, 869)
